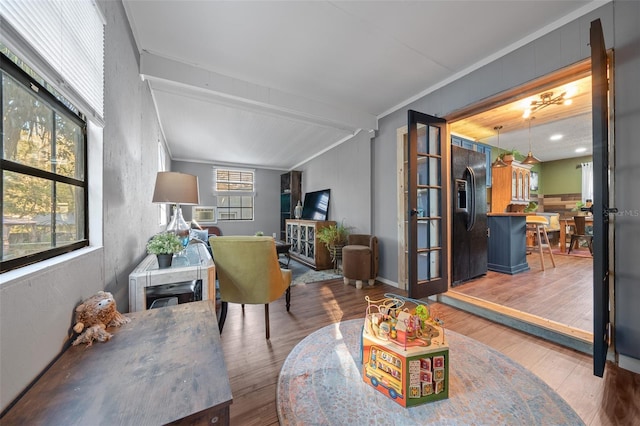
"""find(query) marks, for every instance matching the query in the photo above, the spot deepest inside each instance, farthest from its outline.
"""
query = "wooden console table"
(305, 245)
(166, 366)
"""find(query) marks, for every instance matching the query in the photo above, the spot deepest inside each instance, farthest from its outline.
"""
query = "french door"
(427, 187)
(600, 208)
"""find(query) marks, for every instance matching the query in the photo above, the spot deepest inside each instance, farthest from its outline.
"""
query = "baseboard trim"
(629, 363)
(552, 331)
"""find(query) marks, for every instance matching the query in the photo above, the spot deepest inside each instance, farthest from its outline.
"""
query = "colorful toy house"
(404, 352)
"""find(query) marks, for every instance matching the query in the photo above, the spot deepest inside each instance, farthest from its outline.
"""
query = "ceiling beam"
(227, 90)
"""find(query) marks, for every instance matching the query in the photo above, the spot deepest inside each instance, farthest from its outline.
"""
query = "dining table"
(567, 223)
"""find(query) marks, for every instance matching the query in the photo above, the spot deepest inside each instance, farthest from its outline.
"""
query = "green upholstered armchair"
(249, 272)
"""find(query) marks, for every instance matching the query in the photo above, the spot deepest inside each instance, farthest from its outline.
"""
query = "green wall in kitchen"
(561, 176)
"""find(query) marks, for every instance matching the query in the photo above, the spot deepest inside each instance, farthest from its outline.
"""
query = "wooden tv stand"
(305, 247)
(166, 366)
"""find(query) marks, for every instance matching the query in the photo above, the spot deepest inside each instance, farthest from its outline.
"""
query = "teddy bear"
(94, 315)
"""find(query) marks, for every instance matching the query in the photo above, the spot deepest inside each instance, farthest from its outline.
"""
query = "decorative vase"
(297, 211)
(179, 226)
(164, 260)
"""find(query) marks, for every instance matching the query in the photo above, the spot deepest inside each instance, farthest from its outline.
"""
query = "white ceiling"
(273, 84)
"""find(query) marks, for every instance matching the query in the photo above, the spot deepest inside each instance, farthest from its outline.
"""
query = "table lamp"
(177, 188)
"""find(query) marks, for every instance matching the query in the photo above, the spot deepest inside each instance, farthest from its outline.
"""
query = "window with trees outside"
(44, 171)
(235, 191)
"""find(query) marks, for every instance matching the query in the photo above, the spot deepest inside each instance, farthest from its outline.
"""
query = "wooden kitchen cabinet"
(510, 186)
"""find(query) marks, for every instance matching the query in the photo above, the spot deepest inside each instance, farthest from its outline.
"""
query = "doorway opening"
(557, 302)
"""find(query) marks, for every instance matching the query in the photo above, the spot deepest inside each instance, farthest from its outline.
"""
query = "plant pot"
(164, 260)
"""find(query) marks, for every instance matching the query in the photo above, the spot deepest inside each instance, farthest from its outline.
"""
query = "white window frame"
(221, 191)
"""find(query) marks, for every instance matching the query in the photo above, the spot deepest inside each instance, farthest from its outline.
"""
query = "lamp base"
(179, 226)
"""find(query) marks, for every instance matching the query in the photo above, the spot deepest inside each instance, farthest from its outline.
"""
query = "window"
(44, 171)
(235, 191)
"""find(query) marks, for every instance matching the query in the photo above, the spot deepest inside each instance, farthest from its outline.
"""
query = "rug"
(321, 384)
(312, 276)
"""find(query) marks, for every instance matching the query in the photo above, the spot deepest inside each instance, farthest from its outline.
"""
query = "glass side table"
(194, 263)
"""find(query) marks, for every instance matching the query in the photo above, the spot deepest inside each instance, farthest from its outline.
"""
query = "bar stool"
(537, 224)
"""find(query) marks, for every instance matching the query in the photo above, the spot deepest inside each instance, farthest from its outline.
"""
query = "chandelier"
(546, 99)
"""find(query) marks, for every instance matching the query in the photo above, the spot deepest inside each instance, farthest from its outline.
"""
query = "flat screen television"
(316, 205)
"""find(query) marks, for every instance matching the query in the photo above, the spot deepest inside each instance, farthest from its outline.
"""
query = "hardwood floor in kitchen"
(563, 294)
(253, 363)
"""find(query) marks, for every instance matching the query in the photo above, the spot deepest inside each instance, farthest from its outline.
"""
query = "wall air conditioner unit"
(204, 214)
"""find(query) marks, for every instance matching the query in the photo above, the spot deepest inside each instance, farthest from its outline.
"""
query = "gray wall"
(346, 170)
(36, 309)
(267, 200)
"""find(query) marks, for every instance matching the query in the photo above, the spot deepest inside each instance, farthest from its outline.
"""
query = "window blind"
(68, 36)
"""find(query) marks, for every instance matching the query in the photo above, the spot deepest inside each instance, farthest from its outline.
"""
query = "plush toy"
(94, 315)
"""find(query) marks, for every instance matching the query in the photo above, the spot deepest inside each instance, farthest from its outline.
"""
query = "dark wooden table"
(283, 248)
(165, 366)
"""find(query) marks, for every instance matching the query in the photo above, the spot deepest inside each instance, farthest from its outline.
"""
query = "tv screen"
(316, 205)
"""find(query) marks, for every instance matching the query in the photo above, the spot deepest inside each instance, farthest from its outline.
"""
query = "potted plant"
(509, 155)
(334, 238)
(578, 208)
(164, 245)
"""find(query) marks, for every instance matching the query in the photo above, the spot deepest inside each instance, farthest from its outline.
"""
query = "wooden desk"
(165, 366)
(563, 230)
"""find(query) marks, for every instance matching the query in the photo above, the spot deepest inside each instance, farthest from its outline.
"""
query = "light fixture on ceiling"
(498, 163)
(581, 149)
(546, 99)
(530, 159)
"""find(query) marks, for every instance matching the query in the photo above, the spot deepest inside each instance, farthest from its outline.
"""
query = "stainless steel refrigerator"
(469, 248)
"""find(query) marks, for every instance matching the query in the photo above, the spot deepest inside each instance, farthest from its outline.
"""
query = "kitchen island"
(507, 250)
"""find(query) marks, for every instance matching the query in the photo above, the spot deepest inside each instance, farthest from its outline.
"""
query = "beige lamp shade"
(176, 188)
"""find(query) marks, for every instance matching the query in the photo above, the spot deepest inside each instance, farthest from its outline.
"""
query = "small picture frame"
(533, 181)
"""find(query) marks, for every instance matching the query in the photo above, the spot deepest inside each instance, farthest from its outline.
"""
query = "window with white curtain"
(62, 41)
(52, 60)
(587, 182)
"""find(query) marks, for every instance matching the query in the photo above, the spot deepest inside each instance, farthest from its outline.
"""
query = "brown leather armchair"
(360, 259)
(248, 272)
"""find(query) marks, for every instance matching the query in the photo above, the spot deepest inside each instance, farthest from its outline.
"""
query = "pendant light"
(498, 163)
(530, 159)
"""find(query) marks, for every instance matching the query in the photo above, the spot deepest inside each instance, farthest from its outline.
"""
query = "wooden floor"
(563, 294)
(254, 363)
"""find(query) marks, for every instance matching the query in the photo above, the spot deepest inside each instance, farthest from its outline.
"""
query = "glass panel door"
(427, 190)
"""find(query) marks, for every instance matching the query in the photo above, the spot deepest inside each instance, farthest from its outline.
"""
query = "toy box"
(404, 352)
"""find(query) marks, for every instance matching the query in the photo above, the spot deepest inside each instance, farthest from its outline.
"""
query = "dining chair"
(580, 234)
(249, 273)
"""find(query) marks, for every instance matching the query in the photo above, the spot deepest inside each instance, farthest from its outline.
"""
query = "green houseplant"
(164, 245)
(334, 237)
(509, 154)
(578, 208)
